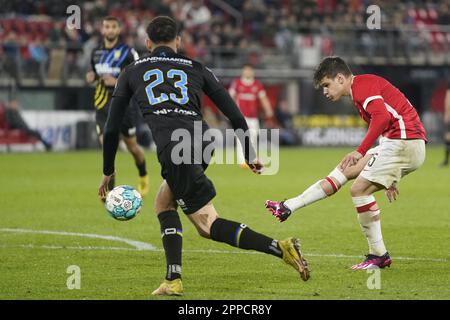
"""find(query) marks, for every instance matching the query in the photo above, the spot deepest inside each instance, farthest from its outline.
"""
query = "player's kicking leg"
(318, 191)
(139, 158)
(210, 226)
(238, 235)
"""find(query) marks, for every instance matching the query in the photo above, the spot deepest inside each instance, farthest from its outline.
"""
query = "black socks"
(240, 236)
(172, 238)
(230, 232)
(142, 169)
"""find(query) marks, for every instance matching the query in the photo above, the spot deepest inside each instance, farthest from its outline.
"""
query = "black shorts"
(128, 128)
(187, 181)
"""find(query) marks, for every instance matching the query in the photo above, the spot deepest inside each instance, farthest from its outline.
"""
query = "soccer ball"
(123, 202)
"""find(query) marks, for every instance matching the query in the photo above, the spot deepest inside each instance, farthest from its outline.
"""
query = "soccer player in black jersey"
(107, 61)
(168, 89)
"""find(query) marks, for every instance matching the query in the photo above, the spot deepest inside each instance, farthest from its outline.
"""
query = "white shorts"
(392, 160)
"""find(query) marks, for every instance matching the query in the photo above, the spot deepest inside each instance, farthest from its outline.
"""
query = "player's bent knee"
(203, 221)
(204, 233)
(203, 229)
(164, 204)
(329, 186)
(159, 209)
(333, 182)
(164, 199)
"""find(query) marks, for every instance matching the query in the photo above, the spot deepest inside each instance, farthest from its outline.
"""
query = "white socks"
(315, 192)
(310, 195)
(370, 223)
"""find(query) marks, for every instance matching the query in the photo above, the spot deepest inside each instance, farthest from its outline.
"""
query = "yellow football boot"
(290, 248)
(169, 288)
(144, 185)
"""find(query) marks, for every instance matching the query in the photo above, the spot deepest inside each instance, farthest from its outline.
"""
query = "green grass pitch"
(56, 192)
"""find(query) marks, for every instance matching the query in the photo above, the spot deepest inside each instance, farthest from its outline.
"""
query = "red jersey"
(387, 111)
(247, 95)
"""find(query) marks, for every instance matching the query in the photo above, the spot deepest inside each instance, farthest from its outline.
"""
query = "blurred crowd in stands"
(29, 29)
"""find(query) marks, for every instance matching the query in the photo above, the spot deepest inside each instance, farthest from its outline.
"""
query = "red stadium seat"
(9, 136)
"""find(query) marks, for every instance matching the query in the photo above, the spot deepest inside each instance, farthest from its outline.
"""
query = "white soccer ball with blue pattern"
(123, 202)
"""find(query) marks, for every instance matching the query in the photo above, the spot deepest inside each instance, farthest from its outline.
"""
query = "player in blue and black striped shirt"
(107, 62)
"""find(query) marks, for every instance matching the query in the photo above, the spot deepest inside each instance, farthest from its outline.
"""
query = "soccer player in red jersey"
(401, 150)
(249, 93)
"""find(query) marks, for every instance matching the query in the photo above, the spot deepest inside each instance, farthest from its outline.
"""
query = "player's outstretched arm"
(111, 140)
(222, 99)
(380, 120)
(229, 108)
(119, 103)
(112, 132)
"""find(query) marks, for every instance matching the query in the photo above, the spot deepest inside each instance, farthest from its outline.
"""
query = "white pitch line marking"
(33, 246)
(143, 246)
(136, 244)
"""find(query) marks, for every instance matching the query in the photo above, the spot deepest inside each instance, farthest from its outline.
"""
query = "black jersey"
(109, 61)
(168, 88)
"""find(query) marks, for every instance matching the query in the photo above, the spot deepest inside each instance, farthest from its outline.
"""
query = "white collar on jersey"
(351, 84)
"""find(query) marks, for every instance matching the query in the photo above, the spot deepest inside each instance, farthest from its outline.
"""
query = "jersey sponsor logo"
(176, 110)
(105, 68)
(164, 59)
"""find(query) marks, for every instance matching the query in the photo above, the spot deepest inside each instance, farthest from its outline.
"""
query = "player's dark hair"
(329, 68)
(112, 18)
(162, 29)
